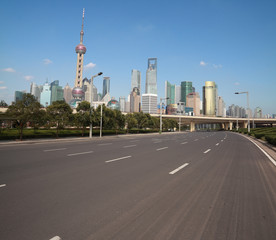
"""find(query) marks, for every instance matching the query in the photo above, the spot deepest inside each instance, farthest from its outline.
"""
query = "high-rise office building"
(149, 103)
(35, 91)
(193, 101)
(106, 86)
(210, 98)
(186, 88)
(45, 96)
(56, 91)
(169, 93)
(221, 112)
(122, 101)
(18, 96)
(258, 113)
(67, 93)
(177, 94)
(151, 76)
(135, 100)
(136, 80)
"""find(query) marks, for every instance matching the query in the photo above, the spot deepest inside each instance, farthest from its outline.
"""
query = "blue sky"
(230, 42)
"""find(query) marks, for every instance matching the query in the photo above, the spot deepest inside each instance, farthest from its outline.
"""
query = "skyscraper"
(136, 80)
(169, 93)
(45, 97)
(210, 98)
(151, 76)
(135, 100)
(221, 110)
(106, 86)
(35, 91)
(177, 94)
(186, 88)
(56, 91)
(67, 93)
(193, 101)
(122, 101)
(18, 96)
(149, 103)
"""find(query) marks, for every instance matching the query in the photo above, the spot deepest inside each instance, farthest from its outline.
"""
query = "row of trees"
(60, 115)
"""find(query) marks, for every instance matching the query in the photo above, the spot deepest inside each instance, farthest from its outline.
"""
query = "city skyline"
(209, 44)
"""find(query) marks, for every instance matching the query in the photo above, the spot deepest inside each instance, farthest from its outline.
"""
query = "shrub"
(271, 139)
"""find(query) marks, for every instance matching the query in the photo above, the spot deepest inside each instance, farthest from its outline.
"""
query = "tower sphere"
(77, 92)
(80, 49)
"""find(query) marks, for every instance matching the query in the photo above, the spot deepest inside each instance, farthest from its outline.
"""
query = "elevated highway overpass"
(227, 123)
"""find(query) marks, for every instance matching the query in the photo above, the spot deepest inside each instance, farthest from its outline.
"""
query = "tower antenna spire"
(82, 33)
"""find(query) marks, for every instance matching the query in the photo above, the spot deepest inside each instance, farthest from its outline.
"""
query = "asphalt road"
(201, 185)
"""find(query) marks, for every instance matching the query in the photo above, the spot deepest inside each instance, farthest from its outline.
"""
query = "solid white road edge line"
(3, 185)
(265, 153)
(179, 168)
(161, 148)
(117, 159)
(51, 150)
(74, 154)
(207, 150)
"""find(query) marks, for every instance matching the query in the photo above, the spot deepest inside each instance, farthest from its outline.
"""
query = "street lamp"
(91, 100)
(161, 105)
(248, 121)
(101, 123)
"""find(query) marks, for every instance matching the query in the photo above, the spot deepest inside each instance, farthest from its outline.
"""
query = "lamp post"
(101, 124)
(161, 108)
(91, 100)
(248, 121)
(180, 113)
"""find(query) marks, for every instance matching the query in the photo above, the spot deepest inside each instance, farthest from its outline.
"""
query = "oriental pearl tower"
(77, 91)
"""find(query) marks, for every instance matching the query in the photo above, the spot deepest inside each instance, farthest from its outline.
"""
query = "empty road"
(178, 186)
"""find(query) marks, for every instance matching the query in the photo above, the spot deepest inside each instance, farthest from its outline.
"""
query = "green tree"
(109, 121)
(82, 117)
(142, 119)
(131, 121)
(24, 111)
(120, 120)
(3, 104)
(59, 114)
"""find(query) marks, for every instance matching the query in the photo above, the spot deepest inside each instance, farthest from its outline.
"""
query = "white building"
(149, 103)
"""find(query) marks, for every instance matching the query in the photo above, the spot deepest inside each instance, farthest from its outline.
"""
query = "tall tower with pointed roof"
(80, 50)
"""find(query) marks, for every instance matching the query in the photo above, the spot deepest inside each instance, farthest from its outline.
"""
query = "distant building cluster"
(180, 99)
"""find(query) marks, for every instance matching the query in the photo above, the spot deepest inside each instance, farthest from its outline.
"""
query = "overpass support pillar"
(231, 126)
(192, 126)
(223, 126)
(226, 126)
(245, 124)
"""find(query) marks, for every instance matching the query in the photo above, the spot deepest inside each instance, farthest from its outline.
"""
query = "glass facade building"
(210, 98)
(56, 92)
(106, 86)
(136, 80)
(45, 97)
(151, 76)
(186, 88)
(169, 93)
